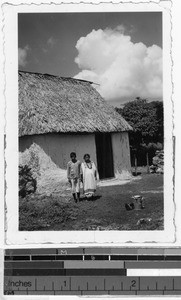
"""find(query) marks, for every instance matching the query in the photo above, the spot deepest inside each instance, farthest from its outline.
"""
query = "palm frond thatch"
(50, 103)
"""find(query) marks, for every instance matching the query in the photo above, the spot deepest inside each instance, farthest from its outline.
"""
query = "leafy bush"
(27, 184)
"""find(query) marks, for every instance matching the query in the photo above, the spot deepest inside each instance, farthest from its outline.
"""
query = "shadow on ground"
(94, 198)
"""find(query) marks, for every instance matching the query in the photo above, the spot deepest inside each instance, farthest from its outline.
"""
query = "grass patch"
(106, 212)
(41, 214)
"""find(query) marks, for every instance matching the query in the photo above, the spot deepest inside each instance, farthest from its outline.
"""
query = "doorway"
(104, 155)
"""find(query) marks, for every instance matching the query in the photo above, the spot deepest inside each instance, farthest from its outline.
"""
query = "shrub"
(27, 184)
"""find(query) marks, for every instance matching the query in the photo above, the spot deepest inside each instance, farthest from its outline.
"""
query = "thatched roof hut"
(55, 104)
(61, 115)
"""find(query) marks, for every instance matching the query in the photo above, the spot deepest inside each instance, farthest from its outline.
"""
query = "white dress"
(89, 178)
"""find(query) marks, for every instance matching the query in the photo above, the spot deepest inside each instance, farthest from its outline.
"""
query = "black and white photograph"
(91, 138)
(90, 119)
(90, 152)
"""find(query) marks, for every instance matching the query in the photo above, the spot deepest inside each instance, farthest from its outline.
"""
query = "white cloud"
(121, 67)
(51, 42)
(22, 56)
(44, 50)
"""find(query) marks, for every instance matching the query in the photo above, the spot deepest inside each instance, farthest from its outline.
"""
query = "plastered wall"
(59, 146)
(121, 155)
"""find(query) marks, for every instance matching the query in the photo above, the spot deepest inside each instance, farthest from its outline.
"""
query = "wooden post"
(135, 164)
(147, 163)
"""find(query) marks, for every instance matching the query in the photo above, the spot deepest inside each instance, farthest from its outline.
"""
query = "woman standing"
(89, 176)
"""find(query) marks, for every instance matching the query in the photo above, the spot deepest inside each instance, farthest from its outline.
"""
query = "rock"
(144, 221)
(155, 160)
(158, 163)
(159, 171)
(153, 169)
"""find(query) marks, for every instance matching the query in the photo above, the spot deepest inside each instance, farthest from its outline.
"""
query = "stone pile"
(158, 163)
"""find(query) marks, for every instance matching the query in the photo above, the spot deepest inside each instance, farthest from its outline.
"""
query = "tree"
(158, 105)
(146, 118)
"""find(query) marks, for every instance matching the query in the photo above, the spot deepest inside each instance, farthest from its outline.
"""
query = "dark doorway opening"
(104, 155)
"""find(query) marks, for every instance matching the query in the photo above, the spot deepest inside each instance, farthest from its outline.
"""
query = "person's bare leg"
(78, 196)
(74, 196)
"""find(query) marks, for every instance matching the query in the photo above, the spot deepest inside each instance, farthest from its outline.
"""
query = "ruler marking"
(139, 283)
(70, 283)
(164, 284)
(104, 291)
(121, 292)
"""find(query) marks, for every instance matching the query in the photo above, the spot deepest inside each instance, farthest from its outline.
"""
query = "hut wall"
(58, 147)
(121, 155)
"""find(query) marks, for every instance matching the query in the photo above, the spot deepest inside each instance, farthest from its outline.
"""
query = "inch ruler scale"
(92, 271)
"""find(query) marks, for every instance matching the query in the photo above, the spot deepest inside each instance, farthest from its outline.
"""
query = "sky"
(120, 52)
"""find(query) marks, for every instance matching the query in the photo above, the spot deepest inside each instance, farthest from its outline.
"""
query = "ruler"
(92, 271)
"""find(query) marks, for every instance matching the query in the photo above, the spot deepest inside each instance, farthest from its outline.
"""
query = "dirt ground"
(105, 212)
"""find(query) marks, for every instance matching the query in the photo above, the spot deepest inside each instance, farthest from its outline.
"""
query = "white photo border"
(99, 238)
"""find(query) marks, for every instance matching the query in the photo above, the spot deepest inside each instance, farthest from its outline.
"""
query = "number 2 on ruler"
(133, 283)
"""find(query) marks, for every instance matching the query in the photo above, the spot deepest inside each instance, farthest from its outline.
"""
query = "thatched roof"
(54, 104)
